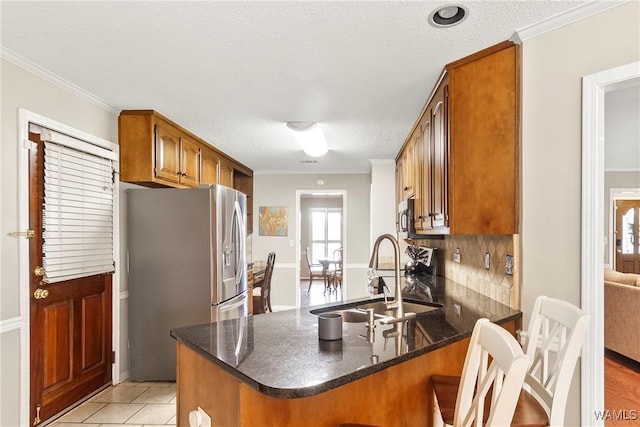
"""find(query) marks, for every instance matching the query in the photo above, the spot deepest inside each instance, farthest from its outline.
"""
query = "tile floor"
(129, 404)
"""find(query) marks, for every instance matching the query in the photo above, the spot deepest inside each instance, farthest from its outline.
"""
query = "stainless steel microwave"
(405, 223)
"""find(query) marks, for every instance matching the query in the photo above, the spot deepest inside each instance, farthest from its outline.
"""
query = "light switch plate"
(487, 261)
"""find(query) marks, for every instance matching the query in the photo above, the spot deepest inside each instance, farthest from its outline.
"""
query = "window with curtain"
(78, 208)
(326, 232)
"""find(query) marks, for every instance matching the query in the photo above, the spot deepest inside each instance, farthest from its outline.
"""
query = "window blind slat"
(77, 215)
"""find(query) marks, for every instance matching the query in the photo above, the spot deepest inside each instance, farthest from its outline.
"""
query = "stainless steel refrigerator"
(186, 265)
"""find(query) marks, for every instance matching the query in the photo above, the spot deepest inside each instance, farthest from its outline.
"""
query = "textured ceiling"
(235, 72)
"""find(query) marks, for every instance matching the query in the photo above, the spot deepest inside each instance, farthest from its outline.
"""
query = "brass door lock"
(40, 293)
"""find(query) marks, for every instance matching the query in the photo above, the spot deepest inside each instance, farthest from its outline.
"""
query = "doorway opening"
(321, 224)
(624, 233)
(594, 87)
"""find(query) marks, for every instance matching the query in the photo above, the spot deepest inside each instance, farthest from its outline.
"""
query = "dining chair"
(262, 294)
(553, 342)
(315, 270)
(334, 276)
(492, 377)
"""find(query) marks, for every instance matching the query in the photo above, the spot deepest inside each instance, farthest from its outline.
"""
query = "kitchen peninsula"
(272, 369)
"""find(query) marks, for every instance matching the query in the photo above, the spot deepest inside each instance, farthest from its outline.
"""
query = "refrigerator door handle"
(240, 245)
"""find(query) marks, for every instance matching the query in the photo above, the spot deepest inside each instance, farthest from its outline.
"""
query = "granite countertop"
(279, 354)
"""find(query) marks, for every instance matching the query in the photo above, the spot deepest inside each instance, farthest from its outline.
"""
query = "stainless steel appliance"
(421, 273)
(186, 265)
(405, 224)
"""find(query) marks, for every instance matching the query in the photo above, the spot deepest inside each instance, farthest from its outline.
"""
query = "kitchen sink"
(357, 312)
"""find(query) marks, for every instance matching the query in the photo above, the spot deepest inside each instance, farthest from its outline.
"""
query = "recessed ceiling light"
(448, 16)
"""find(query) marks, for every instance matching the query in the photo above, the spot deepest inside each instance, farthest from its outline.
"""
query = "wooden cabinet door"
(407, 169)
(189, 162)
(399, 180)
(439, 160)
(483, 98)
(422, 205)
(167, 153)
(210, 164)
(226, 174)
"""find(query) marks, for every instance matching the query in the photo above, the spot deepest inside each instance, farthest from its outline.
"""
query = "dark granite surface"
(279, 354)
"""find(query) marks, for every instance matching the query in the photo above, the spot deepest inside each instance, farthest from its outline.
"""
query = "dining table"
(326, 268)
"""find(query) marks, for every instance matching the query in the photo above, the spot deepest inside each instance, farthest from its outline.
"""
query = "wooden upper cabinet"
(210, 166)
(469, 174)
(484, 130)
(167, 148)
(156, 152)
(408, 162)
(431, 212)
(226, 173)
(439, 155)
(189, 162)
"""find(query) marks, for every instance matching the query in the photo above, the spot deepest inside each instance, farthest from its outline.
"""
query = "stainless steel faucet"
(396, 305)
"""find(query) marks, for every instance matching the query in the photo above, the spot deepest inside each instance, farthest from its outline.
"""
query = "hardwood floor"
(317, 295)
(621, 390)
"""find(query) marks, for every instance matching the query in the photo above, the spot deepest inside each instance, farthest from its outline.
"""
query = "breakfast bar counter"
(273, 369)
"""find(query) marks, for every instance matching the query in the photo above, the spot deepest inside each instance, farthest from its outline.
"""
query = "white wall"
(21, 89)
(553, 64)
(383, 203)
(280, 190)
(622, 129)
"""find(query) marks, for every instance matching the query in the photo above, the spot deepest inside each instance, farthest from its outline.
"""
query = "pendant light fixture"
(310, 137)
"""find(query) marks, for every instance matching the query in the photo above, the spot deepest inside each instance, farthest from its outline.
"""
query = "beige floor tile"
(82, 412)
(157, 384)
(153, 413)
(114, 413)
(173, 420)
(58, 424)
(119, 394)
(156, 395)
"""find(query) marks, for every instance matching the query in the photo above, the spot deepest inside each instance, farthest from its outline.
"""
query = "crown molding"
(570, 16)
(56, 80)
(318, 172)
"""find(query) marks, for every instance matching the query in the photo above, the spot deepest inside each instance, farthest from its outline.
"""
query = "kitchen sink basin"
(408, 307)
(357, 312)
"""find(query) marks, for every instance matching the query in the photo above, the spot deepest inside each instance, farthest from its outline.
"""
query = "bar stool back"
(492, 377)
(553, 343)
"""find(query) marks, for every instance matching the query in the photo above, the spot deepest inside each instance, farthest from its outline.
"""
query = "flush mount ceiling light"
(310, 137)
(448, 16)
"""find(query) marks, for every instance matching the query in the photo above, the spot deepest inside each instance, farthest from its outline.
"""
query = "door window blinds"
(77, 214)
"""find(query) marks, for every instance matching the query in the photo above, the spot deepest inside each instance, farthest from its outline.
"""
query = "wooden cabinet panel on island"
(470, 143)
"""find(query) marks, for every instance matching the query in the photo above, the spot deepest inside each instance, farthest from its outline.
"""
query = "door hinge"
(27, 234)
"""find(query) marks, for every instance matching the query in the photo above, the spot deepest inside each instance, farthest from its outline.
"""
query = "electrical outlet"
(508, 269)
(456, 256)
(205, 421)
(457, 309)
(487, 261)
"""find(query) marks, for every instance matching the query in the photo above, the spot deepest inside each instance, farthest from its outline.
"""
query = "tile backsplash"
(471, 272)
